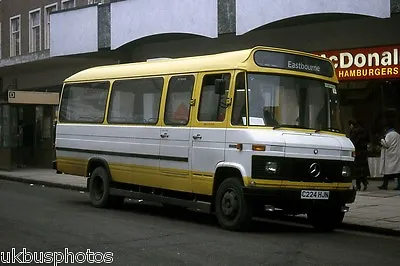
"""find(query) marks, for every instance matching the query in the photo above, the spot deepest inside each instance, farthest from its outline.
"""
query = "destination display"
(293, 62)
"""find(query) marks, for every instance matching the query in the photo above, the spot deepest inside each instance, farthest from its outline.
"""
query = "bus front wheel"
(232, 210)
(99, 190)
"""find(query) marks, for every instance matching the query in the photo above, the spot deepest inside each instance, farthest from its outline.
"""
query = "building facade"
(31, 80)
(43, 42)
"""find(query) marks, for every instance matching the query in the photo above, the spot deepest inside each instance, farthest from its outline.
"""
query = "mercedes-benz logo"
(314, 170)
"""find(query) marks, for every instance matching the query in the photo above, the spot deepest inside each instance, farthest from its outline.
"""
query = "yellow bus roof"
(212, 62)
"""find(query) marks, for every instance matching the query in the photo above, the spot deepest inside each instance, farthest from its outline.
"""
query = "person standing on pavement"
(390, 155)
(360, 140)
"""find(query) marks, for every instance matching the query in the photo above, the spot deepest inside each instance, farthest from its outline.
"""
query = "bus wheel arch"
(95, 163)
(223, 173)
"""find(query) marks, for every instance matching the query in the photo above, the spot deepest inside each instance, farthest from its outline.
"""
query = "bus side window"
(135, 101)
(239, 102)
(212, 105)
(84, 102)
(177, 109)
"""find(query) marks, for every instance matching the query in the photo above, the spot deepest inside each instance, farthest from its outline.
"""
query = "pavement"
(374, 210)
(43, 219)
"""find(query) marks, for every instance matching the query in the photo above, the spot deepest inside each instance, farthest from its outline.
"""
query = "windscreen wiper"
(289, 126)
(331, 129)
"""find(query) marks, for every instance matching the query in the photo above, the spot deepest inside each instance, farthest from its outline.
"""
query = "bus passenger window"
(135, 101)
(239, 102)
(212, 105)
(177, 109)
(84, 102)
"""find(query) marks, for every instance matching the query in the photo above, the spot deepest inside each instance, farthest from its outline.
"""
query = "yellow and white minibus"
(231, 134)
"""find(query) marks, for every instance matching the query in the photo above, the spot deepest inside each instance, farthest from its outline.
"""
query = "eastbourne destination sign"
(366, 63)
(294, 62)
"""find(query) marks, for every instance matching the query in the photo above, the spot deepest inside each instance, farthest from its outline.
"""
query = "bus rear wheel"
(99, 190)
(232, 210)
(325, 220)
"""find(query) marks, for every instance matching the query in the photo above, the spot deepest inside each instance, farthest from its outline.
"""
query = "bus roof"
(212, 62)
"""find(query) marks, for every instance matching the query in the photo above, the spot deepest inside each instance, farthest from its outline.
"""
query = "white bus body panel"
(175, 146)
(120, 146)
(190, 163)
(285, 143)
(207, 150)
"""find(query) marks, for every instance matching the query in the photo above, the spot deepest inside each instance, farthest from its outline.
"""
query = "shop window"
(47, 125)
(391, 95)
(213, 105)
(239, 102)
(8, 126)
(1, 51)
(1, 125)
(84, 102)
(179, 95)
(136, 101)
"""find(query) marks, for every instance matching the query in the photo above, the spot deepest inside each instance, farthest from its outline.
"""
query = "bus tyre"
(232, 210)
(99, 190)
(326, 220)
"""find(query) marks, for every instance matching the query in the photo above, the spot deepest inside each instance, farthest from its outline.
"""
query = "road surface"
(43, 219)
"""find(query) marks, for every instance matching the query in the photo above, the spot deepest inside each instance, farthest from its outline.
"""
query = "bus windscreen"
(293, 62)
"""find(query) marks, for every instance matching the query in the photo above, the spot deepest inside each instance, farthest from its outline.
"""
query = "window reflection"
(292, 101)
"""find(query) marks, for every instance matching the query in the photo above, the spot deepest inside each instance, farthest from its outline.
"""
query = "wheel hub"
(98, 187)
(230, 203)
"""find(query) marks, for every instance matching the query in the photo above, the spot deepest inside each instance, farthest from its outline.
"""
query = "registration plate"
(315, 194)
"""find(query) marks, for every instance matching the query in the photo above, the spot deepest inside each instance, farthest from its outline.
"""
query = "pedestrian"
(390, 155)
(360, 140)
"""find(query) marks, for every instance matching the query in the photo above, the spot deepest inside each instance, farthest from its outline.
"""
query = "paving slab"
(46, 177)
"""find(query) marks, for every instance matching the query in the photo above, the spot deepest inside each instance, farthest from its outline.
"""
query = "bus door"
(174, 149)
(209, 129)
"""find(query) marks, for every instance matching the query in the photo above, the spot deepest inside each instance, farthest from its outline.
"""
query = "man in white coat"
(390, 156)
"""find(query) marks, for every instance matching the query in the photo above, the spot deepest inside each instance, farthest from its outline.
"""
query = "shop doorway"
(35, 144)
(27, 126)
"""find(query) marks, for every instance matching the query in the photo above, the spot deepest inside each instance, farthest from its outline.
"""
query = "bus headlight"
(346, 171)
(271, 167)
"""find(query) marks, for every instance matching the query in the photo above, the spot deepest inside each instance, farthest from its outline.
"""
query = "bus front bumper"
(299, 200)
